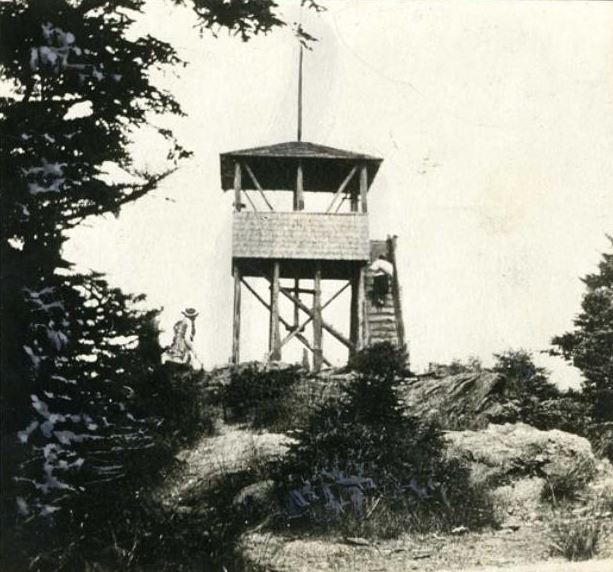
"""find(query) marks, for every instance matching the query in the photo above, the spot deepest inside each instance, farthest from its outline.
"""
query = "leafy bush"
(364, 463)
(261, 395)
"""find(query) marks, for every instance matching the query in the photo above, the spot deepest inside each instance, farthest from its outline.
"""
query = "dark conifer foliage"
(590, 345)
(80, 360)
(70, 343)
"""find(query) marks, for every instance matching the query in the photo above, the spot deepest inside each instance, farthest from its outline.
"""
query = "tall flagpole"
(300, 94)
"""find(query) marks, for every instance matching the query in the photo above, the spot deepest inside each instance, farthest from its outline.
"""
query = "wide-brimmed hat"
(190, 312)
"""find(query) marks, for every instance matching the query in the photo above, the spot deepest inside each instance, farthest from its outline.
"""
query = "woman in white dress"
(182, 348)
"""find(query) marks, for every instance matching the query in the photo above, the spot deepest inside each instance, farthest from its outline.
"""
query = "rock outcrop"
(469, 400)
(507, 452)
(518, 464)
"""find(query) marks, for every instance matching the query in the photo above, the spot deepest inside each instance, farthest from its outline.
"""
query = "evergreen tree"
(590, 345)
(79, 359)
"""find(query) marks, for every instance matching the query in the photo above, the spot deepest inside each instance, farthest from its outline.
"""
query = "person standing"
(382, 270)
(181, 349)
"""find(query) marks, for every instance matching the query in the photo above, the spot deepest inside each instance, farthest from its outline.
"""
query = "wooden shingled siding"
(300, 235)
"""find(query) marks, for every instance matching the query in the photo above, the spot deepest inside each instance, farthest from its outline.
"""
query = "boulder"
(505, 453)
(516, 462)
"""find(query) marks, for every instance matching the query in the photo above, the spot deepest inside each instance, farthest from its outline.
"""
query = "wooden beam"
(299, 192)
(364, 187)
(274, 338)
(326, 326)
(304, 291)
(317, 321)
(287, 325)
(236, 323)
(258, 186)
(342, 188)
(237, 187)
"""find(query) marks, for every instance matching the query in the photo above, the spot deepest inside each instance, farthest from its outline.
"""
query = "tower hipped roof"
(324, 168)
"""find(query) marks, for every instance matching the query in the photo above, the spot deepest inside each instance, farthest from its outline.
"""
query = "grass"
(570, 484)
(580, 537)
(576, 539)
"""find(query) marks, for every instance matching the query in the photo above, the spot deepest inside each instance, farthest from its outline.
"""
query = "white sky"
(495, 122)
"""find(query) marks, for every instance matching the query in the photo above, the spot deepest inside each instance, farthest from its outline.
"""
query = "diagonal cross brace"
(258, 186)
(289, 326)
(310, 313)
(341, 189)
(299, 328)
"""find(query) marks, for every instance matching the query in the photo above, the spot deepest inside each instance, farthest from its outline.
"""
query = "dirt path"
(558, 566)
(522, 550)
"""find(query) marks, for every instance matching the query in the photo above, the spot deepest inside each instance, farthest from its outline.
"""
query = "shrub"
(576, 539)
(364, 464)
(568, 485)
(536, 400)
(180, 399)
(601, 438)
(380, 359)
(568, 412)
(261, 395)
(522, 378)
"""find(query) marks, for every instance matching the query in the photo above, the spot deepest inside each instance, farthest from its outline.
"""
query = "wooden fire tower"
(314, 246)
(288, 247)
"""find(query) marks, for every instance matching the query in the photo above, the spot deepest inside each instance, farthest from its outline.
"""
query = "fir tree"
(590, 345)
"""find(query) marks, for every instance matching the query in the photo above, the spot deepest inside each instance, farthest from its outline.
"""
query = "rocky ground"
(522, 544)
(525, 471)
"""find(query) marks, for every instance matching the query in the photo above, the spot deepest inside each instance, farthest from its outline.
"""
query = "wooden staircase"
(384, 323)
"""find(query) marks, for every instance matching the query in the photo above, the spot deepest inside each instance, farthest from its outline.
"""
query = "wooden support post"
(364, 188)
(275, 336)
(299, 192)
(237, 187)
(296, 308)
(236, 323)
(354, 324)
(361, 310)
(317, 322)
(354, 198)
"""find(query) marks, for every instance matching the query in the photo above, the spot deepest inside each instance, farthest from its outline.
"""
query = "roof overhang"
(275, 166)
